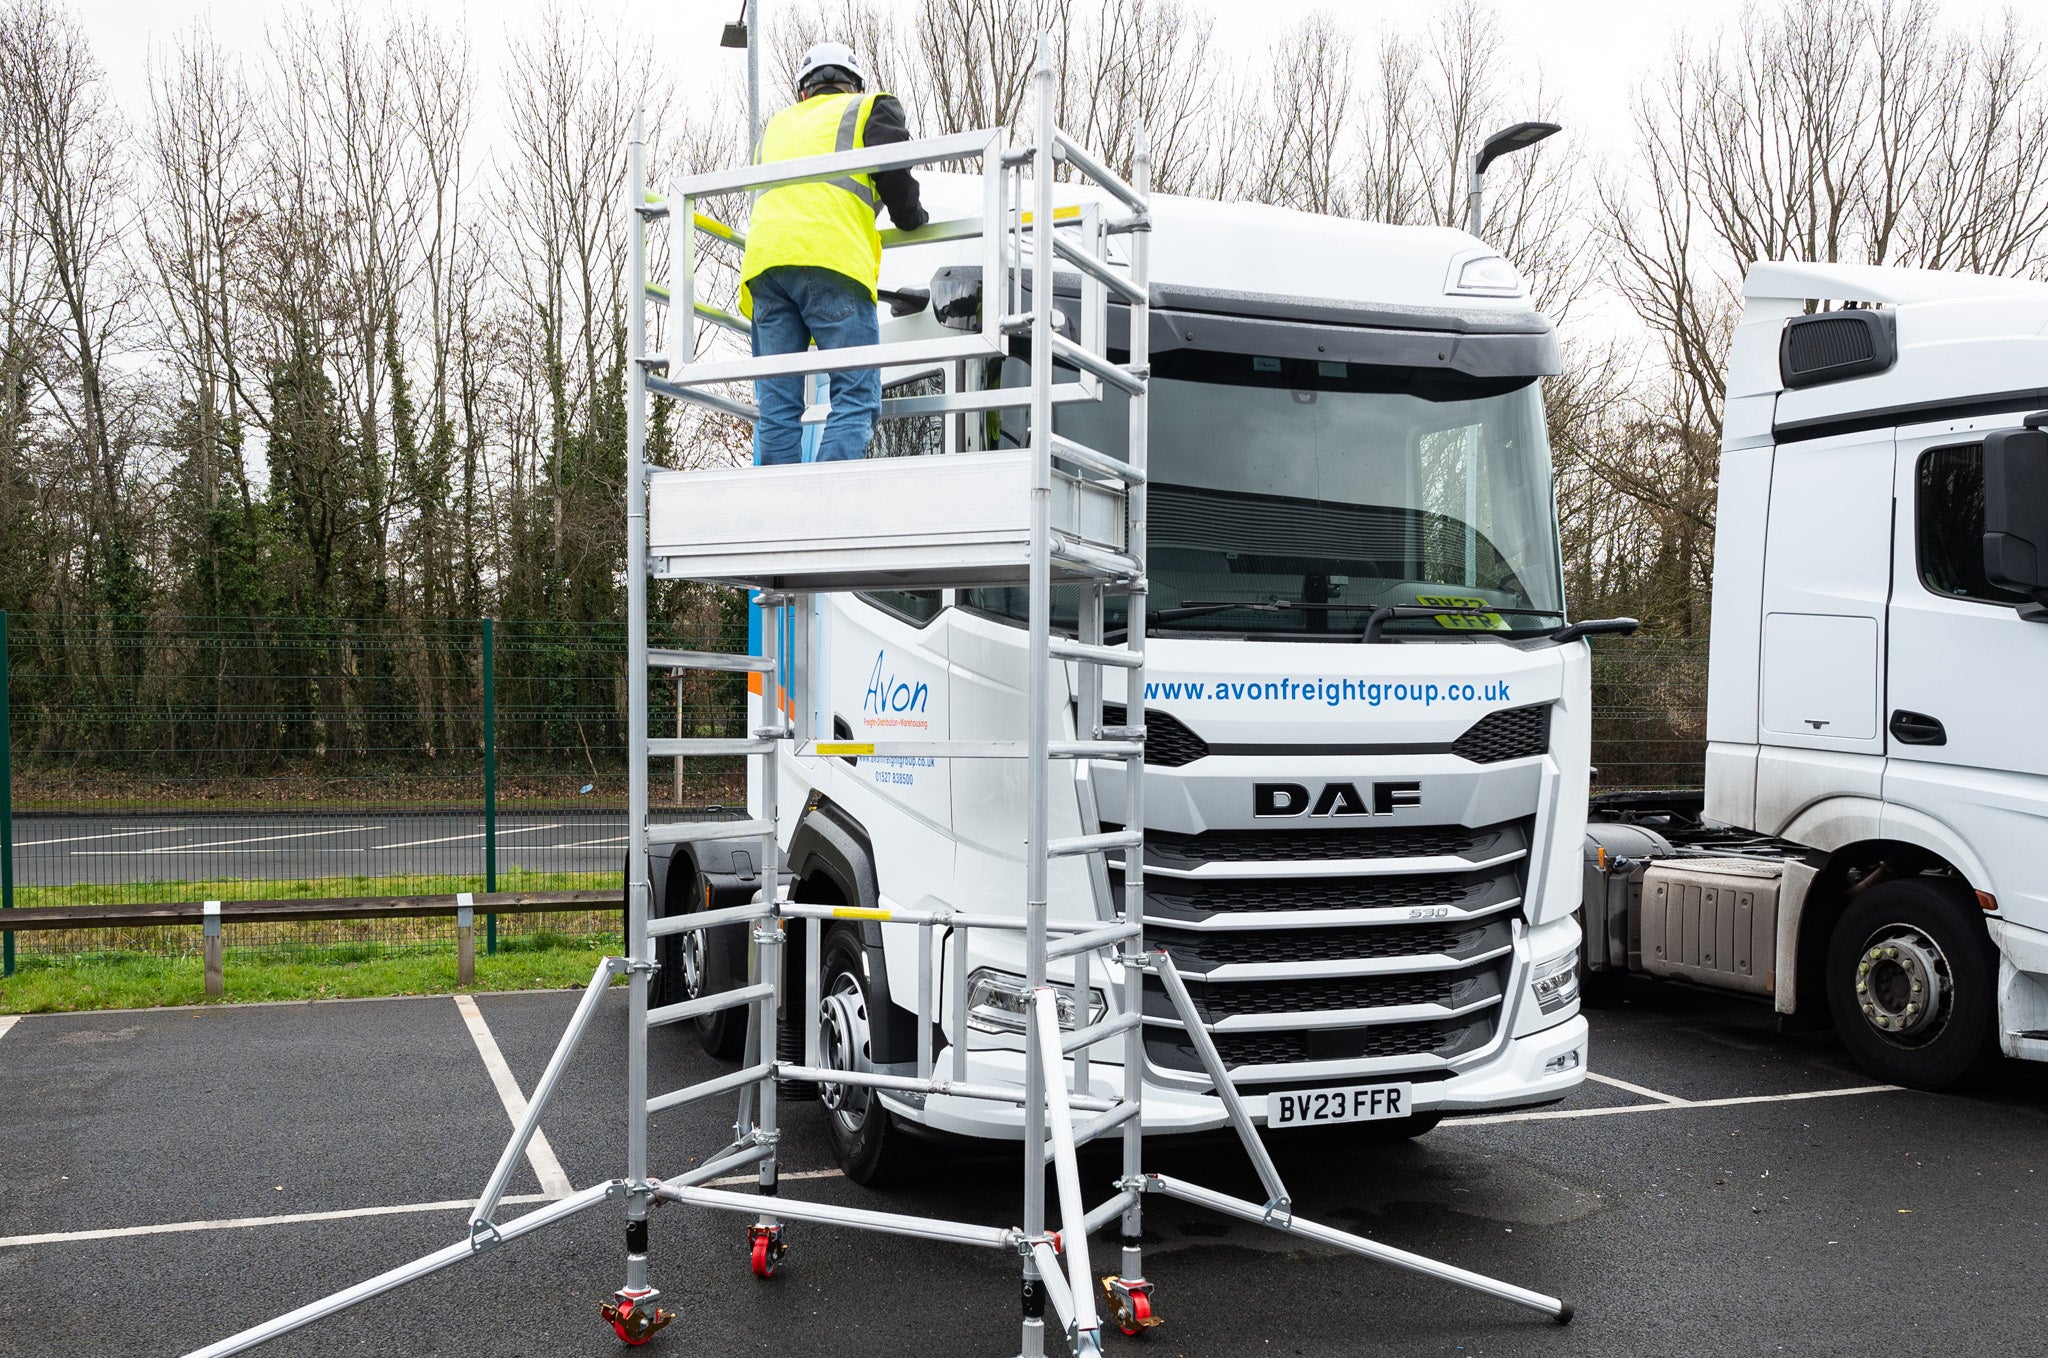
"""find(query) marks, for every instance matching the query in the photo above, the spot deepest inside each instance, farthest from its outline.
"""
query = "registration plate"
(1338, 1103)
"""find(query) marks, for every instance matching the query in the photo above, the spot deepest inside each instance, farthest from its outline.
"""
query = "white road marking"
(1633, 1089)
(8, 1021)
(538, 1152)
(264, 839)
(117, 834)
(587, 843)
(453, 839)
(237, 1223)
(1551, 1113)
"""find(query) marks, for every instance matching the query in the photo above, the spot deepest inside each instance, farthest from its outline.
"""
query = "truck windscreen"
(1313, 492)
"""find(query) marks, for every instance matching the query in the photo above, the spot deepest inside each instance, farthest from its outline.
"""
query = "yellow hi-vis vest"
(826, 225)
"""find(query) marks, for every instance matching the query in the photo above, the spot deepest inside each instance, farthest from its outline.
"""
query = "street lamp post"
(747, 33)
(1499, 144)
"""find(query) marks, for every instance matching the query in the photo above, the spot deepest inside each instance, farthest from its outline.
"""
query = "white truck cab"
(1873, 837)
(1367, 721)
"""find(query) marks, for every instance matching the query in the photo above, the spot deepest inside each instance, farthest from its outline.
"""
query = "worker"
(814, 256)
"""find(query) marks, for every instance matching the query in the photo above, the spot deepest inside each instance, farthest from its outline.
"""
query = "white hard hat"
(828, 54)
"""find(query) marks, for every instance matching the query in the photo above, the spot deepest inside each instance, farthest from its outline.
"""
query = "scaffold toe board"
(909, 522)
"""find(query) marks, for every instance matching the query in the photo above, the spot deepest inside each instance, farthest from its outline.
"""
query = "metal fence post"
(490, 779)
(215, 985)
(6, 806)
(465, 939)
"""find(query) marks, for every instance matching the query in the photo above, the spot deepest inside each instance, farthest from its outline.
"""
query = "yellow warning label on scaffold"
(857, 912)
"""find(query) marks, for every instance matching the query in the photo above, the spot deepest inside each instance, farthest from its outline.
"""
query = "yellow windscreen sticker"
(1466, 622)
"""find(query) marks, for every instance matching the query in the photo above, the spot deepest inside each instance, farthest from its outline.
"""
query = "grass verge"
(136, 968)
(43, 985)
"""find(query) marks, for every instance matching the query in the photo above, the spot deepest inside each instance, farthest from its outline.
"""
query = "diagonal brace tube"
(1278, 1205)
(404, 1273)
(494, 1189)
(1059, 1119)
(1557, 1310)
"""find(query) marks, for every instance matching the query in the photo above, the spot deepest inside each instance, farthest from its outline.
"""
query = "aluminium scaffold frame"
(1055, 1264)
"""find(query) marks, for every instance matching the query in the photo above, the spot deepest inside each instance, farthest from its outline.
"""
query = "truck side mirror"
(2016, 513)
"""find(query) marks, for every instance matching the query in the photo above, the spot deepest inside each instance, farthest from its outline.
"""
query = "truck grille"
(1196, 899)
(1198, 951)
(1164, 849)
(1168, 1048)
(1450, 989)
(1196, 920)
(1516, 733)
(1168, 742)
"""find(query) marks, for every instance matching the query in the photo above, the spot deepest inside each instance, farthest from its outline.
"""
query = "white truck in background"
(1873, 838)
(1368, 719)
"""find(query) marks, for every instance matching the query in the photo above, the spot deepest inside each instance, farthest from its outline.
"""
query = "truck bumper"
(1521, 1076)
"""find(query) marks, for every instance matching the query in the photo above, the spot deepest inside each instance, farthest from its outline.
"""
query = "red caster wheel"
(1130, 1304)
(765, 1249)
(633, 1325)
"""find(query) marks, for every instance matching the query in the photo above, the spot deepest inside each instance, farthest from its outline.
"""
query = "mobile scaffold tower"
(1053, 512)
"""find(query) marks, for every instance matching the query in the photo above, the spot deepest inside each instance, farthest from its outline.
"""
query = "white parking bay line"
(237, 1223)
(8, 1021)
(1613, 1083)
(1549, 1114)
(538, 1152)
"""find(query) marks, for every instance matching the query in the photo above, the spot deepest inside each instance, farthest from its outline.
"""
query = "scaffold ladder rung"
(668, 747)
(707, 660)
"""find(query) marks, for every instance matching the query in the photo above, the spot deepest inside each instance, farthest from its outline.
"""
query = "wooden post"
(465, 939)
(215, 985)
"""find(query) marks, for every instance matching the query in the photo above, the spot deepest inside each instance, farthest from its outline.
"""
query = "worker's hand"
(923, 219)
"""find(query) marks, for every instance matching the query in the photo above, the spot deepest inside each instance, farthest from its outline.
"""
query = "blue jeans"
(792, 306)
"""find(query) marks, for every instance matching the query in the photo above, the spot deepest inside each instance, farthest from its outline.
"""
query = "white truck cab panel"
(1874, 711)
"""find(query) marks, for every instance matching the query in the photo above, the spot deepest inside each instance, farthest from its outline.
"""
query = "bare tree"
(64, 144)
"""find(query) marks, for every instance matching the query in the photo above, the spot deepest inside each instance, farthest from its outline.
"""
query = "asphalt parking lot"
(168, 1177)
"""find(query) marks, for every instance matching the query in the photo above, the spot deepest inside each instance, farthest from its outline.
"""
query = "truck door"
(1966, 745)
(1827, 572)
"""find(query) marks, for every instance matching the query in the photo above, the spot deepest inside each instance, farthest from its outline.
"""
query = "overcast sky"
(1592, 51)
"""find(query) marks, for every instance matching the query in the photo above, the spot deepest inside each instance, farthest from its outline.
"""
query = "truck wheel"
(700, 963)
(1910, 983)
(871, 1148)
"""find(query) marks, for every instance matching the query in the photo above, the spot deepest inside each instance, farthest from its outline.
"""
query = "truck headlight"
(1556, 982)
(1000, 1002)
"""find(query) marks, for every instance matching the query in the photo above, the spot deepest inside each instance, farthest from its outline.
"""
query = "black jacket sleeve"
(898, 188)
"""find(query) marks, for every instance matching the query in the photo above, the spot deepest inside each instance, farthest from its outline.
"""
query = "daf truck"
(1366, 714)
(1871, 846)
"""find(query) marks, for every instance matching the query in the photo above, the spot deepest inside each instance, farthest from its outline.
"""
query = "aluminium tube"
(1557, 1310)
(639, 890)
(1138, 448)
(1066, 1167)
(860, 1218)
(572, 1037)
(1212, 1062)
(403, 1274)
(1038, 667)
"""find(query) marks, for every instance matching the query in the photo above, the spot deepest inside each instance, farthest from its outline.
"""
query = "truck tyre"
(703, 962)
(871, 1148)
(1909, 981)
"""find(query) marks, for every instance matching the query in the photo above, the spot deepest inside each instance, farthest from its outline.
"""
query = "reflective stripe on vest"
(826, 225)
